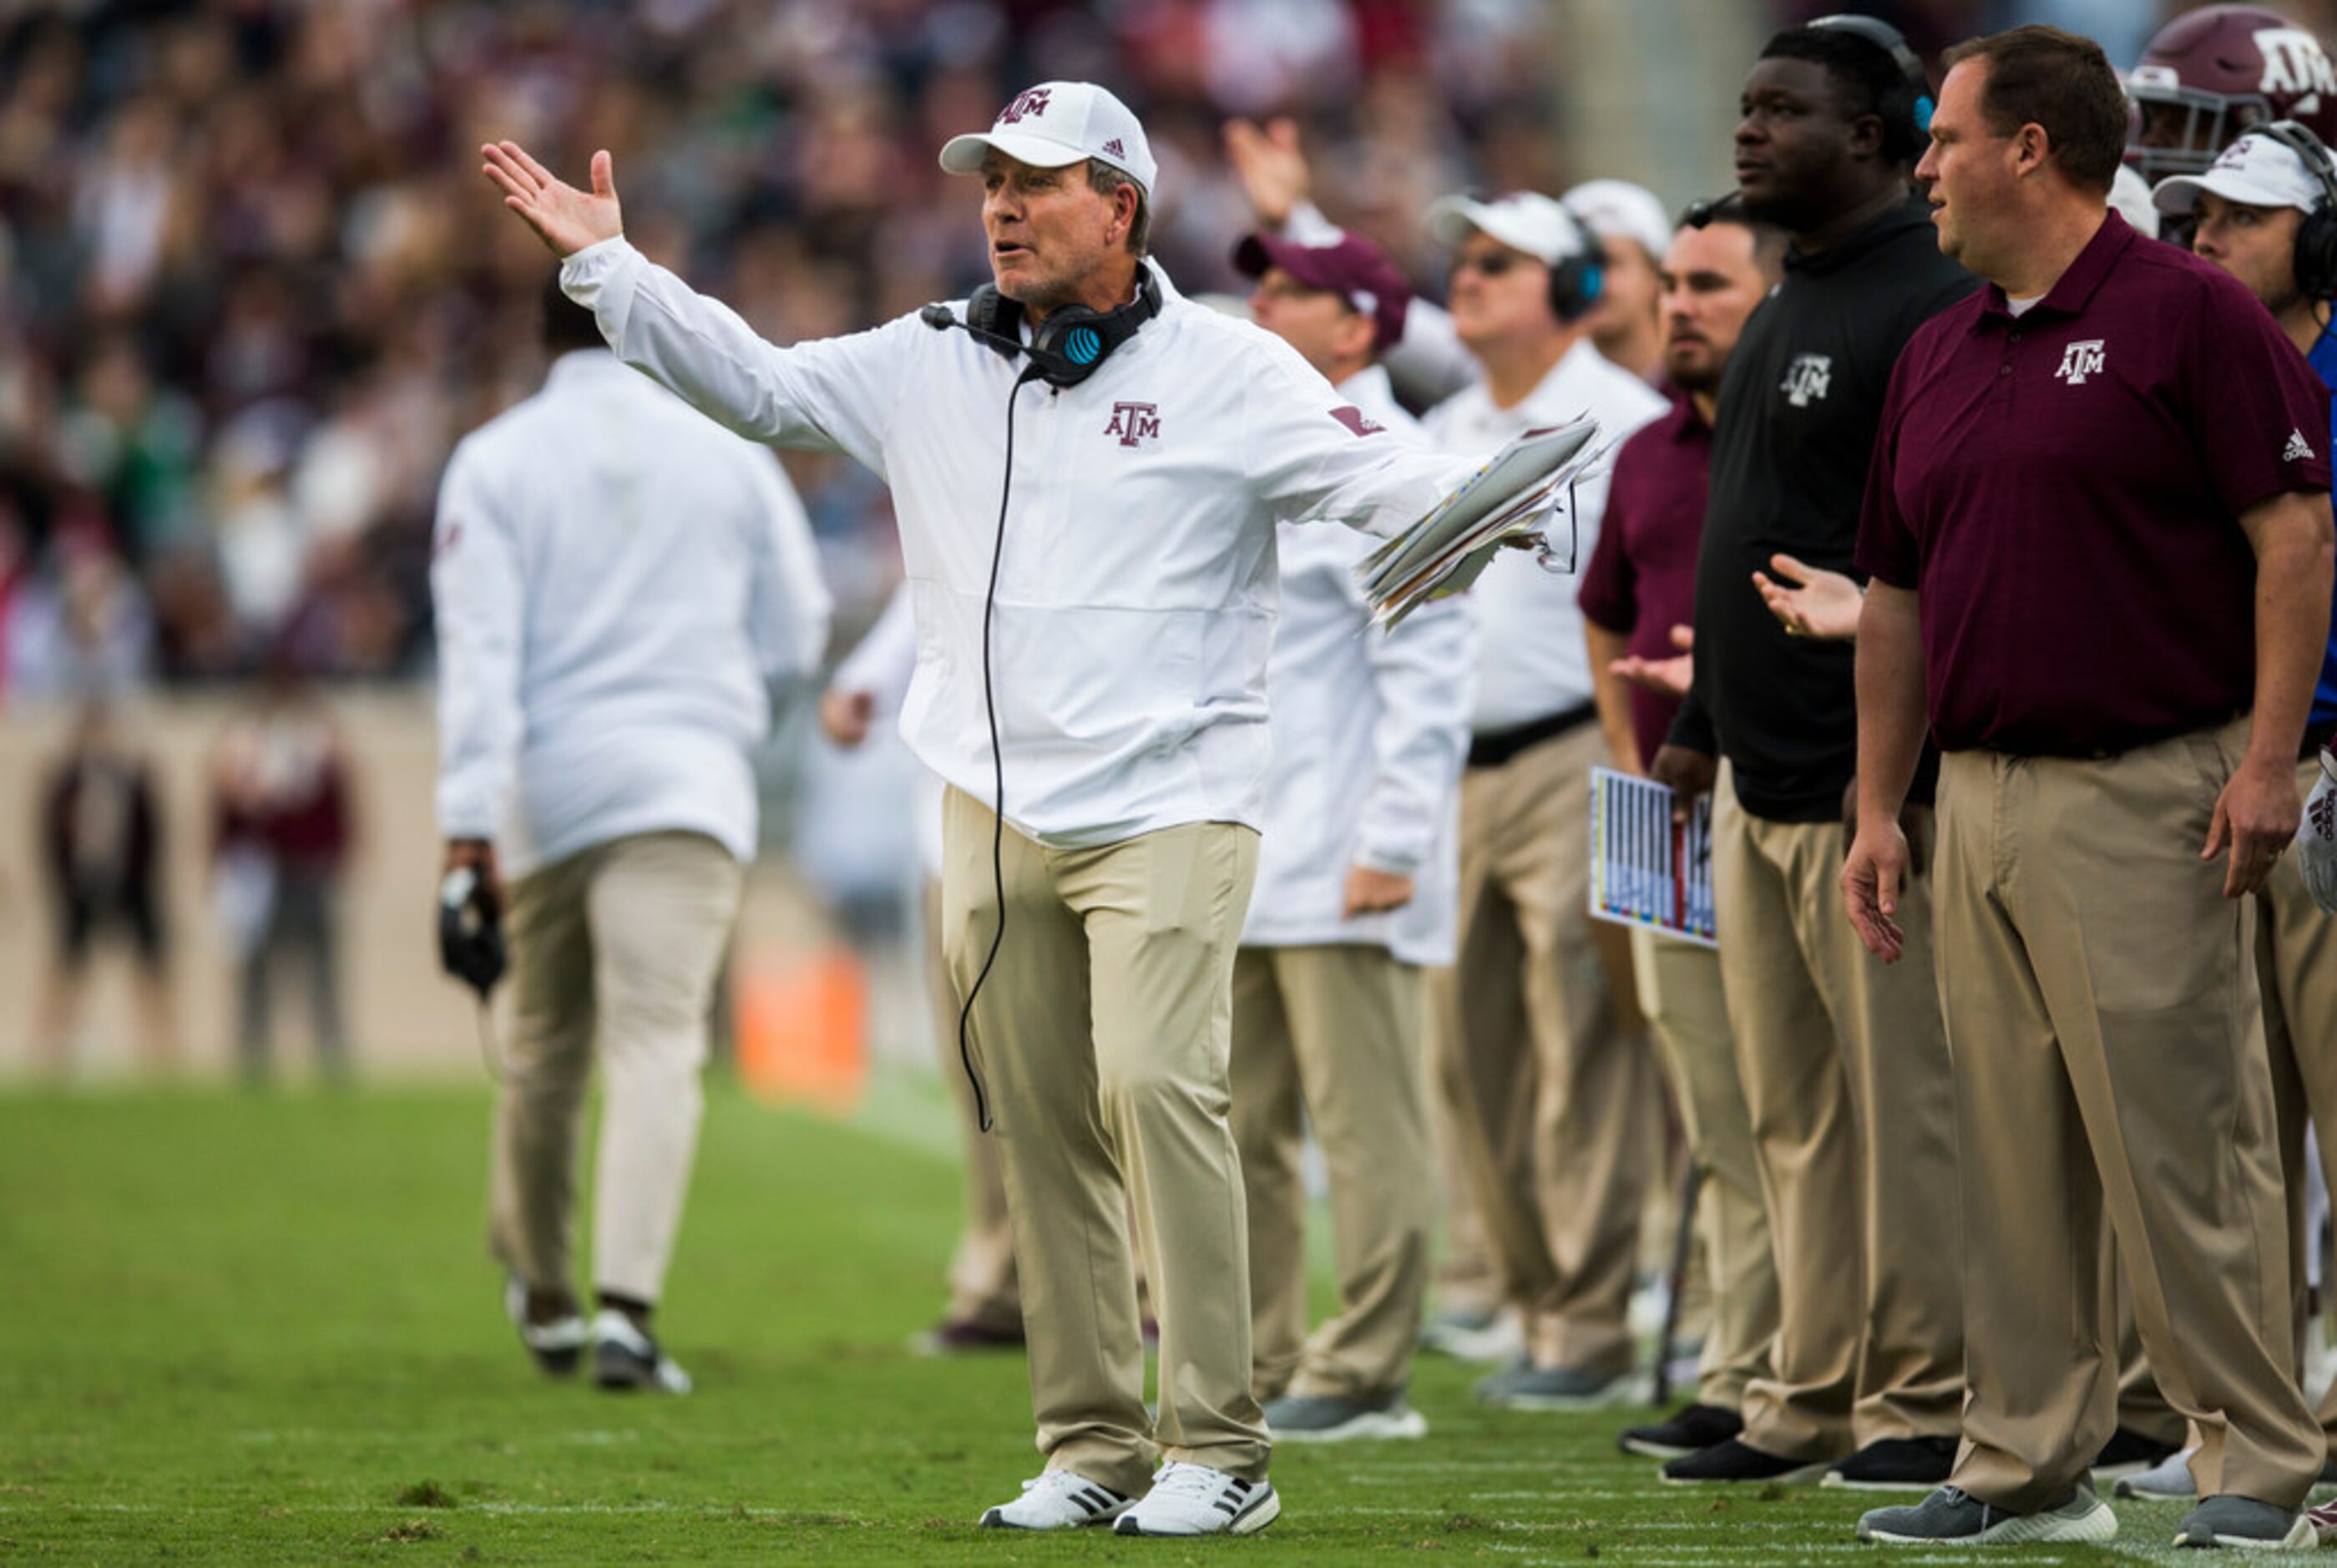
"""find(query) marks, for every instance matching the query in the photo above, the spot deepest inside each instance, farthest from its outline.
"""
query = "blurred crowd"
(254, 289)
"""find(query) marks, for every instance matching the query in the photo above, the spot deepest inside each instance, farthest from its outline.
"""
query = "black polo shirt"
(2062, 490)
(1793, 436)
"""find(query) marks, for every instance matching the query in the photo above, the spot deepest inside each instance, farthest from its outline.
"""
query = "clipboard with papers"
(1514, 494)
(1645, 868)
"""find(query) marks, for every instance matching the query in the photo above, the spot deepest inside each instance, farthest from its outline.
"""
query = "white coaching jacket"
(1370, 730)
(1533, 661)
(1136, 591)
(615, 580)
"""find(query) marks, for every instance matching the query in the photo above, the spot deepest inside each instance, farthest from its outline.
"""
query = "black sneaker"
(2231, 1520)
(1685, 1431)
(624, 1358)
(557, 1343)
(1896, 1465)
(1737, 1461)
(2129, 1453)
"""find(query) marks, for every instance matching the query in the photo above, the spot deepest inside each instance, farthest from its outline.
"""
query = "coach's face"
(1049, 230)
(1329, 333)
(1498, 295)
(1970, 171)
(1711, 280)
(1795, 136)
(2256, 245)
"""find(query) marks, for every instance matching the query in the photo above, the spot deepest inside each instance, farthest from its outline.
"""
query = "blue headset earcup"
(1923, 108)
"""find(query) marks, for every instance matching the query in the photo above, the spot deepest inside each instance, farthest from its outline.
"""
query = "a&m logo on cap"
(1031, 102)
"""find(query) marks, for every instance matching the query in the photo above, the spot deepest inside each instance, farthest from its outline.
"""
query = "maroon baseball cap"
(1353, 268)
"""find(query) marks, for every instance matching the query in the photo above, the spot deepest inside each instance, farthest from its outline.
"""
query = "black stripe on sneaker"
(1082, 1499)
(1099, 1496)
(1230, 1510)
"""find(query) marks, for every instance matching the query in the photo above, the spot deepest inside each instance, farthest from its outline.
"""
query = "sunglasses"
(1490, 264)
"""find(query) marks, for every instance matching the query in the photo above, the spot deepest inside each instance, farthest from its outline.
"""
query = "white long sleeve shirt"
(881, 665)
(615, 579)
(1370, 730)
(1531, 660)
(1135, 590)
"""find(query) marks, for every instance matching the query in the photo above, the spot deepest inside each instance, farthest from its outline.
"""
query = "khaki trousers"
(1681, 992)
(2296, 970)
(2102, 1009)
(1548, 1091)
(1103, 1034)
(1846, 1075)
(621, 940)
(1332, 1035)
(982, 1269)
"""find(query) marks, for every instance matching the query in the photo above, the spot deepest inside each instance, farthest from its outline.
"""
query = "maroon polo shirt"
(2062, 491)
(1641, 580)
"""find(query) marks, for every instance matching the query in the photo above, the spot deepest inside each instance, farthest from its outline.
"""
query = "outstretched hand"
(565, 219)
(1810, 601)
(1270, 166)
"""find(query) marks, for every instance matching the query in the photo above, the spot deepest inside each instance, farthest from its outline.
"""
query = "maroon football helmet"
(2211, 73)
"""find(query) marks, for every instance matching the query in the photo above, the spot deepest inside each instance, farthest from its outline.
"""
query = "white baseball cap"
(1526, 220)
(1618, 209)
(1057, 123)
(2256, 171)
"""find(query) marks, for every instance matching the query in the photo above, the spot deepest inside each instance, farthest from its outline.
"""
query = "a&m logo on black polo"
(2079, 360)
(1807, 378)
(1134, 423)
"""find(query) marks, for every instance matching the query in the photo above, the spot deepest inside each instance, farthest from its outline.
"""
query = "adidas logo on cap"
(1115, 149)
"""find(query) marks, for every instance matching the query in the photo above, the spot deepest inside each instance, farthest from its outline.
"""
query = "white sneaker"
(558, 1345)
(625, 1358)
(2167, 1481)
(1058, 1500)
(1195, 1500)
(1481, 1340)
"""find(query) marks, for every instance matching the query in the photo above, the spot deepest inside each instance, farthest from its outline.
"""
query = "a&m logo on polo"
(2079, 360)
(1134, 423)
(1031, 101)
(1806, 381)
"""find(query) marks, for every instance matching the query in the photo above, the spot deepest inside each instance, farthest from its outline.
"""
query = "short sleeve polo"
(1641, 578)
(2062, 491)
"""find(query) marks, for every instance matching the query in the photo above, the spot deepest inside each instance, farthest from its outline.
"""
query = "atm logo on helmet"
(2295, 63)
(1031, 101)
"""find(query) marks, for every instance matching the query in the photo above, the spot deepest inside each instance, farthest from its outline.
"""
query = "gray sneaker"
(1950, 1516)
(1525, 1386)
(1337, 1417)
(2230, 1520)
(2167, 1481)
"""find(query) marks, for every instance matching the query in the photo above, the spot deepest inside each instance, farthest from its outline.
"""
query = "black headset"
(1065, 349)
(2316, 236)
(1576, 281)
(1906, 109)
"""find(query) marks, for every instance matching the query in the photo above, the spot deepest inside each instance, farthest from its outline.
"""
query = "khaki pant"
(623, 939)
(982, 1269)
(1547, 1090)
(1332, 1035)
(2101, 1003)
(1681, 992)
(2296, 970)
(1846, 1075)
(1103, 1034)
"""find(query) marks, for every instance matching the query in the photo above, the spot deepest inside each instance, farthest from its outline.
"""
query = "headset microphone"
(1700, 214)
(940, 318)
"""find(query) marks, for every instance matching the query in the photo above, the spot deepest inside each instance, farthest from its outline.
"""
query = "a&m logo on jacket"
(1806, 381)
(1134, 423)
(2079, 360)
(1031, 101)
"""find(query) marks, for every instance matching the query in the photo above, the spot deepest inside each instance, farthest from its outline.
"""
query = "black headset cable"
(997, 769)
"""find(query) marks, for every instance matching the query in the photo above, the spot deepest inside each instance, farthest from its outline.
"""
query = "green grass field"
(264, 1330)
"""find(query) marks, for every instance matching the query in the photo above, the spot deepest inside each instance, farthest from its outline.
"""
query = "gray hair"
(1104, 180)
